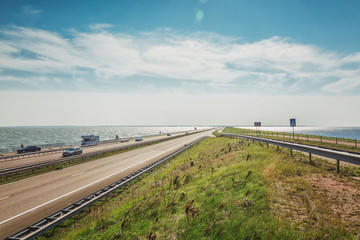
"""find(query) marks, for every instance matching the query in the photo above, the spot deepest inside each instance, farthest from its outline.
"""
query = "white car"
(72, 151)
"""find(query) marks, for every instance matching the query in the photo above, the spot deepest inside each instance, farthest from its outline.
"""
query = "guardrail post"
(278, 148)
(355, 143)
(336, 140)
(320, 138)
(309, 157)
(337, 165)
(267, 144)
(291, 153)
(307, 137)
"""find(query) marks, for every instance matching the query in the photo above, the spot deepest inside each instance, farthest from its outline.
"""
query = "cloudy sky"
(179, 62)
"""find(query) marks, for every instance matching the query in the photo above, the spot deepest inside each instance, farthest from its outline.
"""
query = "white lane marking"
(76, 190)
(77, 174)
(4, 198)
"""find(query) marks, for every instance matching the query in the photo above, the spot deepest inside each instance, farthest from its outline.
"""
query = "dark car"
(138, 139)
(28, 149)
(72, 151)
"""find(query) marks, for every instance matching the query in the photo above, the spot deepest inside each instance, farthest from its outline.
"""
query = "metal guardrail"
(53, 220)
(15, 170)
(52, 151)
(338, 155)
(308, 137)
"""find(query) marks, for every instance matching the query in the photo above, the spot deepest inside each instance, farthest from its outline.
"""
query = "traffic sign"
(257, 124)
(292, 122)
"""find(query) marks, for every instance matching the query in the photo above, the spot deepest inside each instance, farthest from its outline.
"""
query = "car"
(138, 139)
(29, 149)
(72, 151)
(124, 140)
(169, 134)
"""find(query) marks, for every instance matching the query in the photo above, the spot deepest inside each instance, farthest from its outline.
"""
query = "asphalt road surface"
(27, 201)
(10, 163)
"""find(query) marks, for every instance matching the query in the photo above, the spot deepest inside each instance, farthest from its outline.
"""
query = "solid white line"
(76, 190)
(4, 198)
(77, 174)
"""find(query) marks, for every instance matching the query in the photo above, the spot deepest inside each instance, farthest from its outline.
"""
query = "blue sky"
(305, 53)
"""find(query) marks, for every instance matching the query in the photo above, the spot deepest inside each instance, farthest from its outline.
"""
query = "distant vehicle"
(72, 151)
(124, 140)
(89, 140)
(168, 134)
(138, 139)
(187, 133)
(29, 149)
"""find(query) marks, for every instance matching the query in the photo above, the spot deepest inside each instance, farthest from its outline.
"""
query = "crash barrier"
(338, 155)
(302, 136)
(11, 171)
(52, 151)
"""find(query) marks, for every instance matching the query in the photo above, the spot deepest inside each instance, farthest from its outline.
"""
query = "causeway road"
(11, 163)
(27, 201)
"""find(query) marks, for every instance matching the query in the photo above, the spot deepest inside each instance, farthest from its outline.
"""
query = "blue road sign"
(292, 122)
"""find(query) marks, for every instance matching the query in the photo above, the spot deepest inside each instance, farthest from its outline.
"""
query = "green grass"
(296, 135)
(220, 189)
(279, 136)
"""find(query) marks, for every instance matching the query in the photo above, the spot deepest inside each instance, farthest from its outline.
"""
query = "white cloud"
(100, 26)
(273, 66)
(344, 84)
(31, 11)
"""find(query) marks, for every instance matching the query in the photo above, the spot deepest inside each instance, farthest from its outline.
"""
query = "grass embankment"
(279, 136)
(226, 189)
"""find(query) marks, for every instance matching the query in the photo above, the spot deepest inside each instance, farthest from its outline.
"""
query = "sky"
(179, 62)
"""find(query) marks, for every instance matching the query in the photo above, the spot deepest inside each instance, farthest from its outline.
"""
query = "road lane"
(30, 200)
(30, 160)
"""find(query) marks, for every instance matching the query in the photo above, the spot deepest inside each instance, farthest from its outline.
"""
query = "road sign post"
(293, 125)
(257, 126)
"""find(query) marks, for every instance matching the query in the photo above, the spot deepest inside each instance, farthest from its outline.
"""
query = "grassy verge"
(295, 140)
(226, 189)
(296, 135)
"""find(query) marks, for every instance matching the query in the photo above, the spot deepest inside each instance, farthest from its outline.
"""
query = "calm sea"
(15, 136)
(340, 132)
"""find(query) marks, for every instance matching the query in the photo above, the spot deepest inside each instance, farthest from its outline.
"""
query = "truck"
(89, 140)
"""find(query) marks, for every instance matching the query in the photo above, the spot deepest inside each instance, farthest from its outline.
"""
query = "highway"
(27, 201)
(56, 155)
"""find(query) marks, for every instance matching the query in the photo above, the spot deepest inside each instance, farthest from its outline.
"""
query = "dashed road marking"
(76, 174)
(3, 198)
